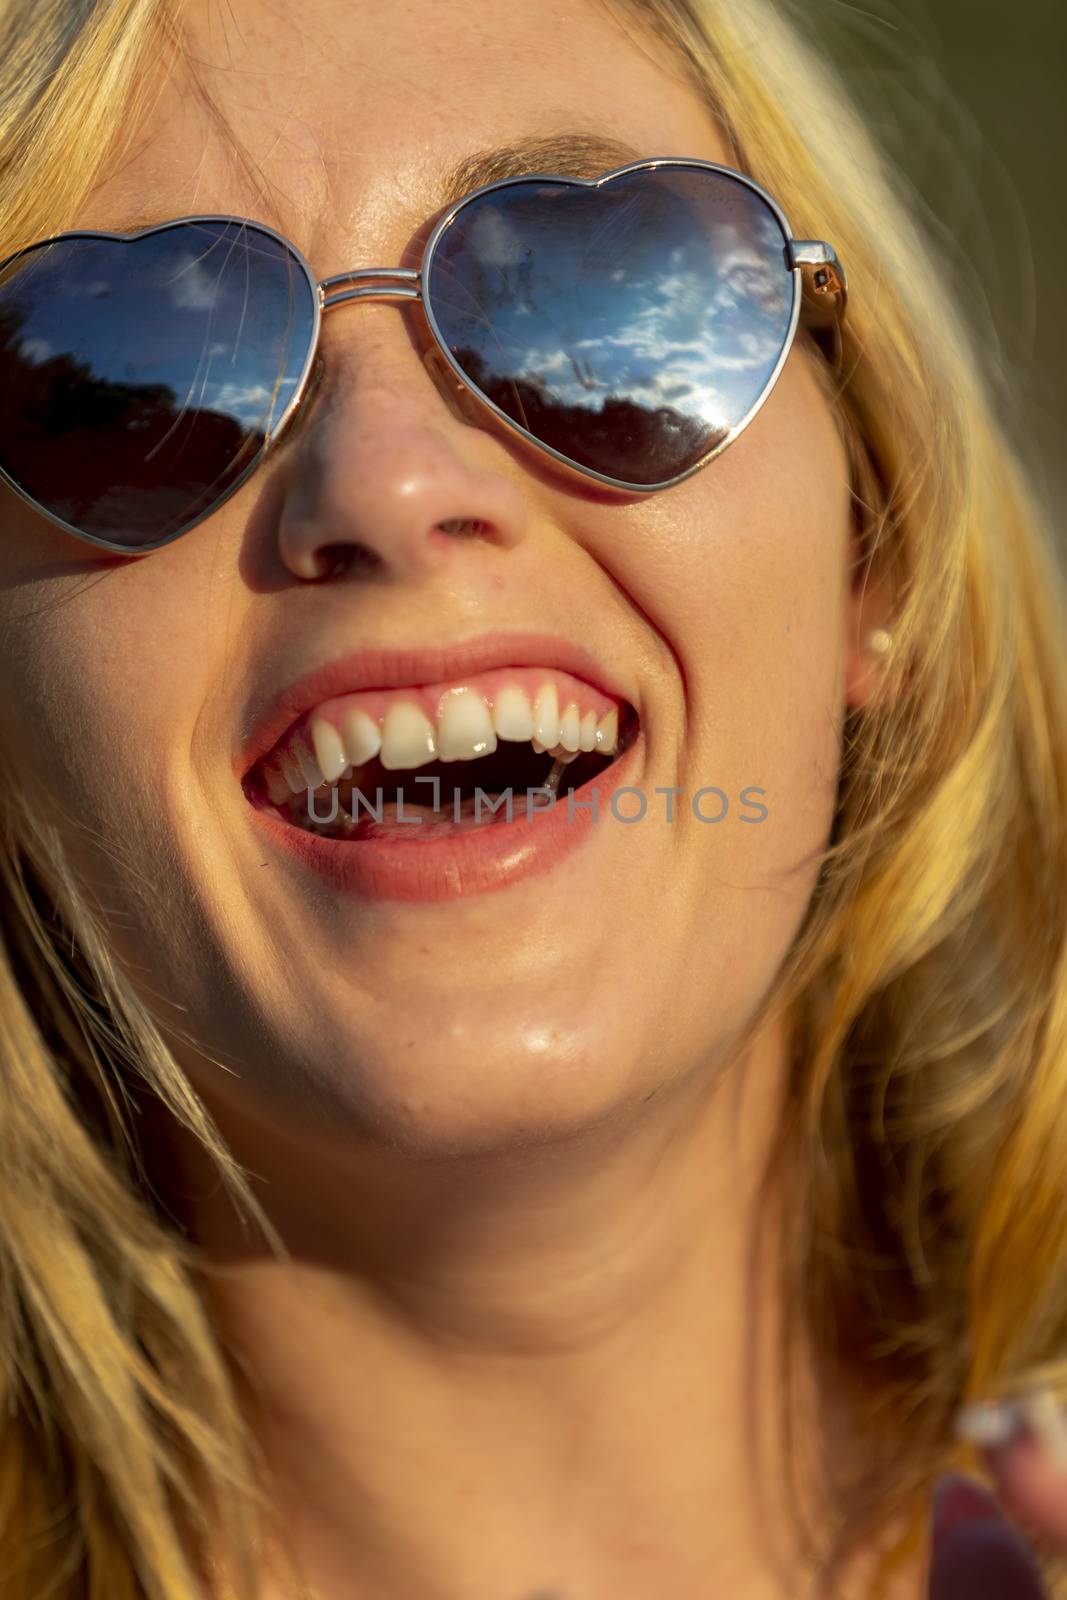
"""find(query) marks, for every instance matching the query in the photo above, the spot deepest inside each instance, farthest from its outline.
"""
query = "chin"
(475, 1088)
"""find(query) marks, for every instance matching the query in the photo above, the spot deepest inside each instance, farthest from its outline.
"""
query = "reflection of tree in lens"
(121, 460)
(623, 439)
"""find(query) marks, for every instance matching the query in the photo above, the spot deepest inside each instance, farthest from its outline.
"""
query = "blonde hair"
(922, 1146)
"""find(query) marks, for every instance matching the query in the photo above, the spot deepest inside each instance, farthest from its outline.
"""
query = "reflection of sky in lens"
(672, 292)
(218, 315)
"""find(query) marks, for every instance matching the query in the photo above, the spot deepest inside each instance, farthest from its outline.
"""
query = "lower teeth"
(468, 811)
(390, 816)
(457, 809)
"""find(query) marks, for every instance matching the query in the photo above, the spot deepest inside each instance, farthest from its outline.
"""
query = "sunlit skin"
(507, 1357)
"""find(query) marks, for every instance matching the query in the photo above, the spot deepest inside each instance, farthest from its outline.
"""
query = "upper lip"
(382, 668)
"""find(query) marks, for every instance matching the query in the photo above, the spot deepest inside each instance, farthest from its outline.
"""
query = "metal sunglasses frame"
(407, 284)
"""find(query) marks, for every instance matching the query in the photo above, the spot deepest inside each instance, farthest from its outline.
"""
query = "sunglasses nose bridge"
(400, 283)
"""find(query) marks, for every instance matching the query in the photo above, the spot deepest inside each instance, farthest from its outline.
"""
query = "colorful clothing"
(977, 1553)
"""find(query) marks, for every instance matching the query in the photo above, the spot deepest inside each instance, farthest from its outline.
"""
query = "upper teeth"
(408, 738)
(466, 727)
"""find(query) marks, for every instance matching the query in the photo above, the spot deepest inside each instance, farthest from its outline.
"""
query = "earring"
(878, 641)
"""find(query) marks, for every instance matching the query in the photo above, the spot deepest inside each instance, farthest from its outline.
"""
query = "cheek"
(744, 569)
(774, 590)
(743, 573)
(108, 714)
(775, 596)
(100, 676)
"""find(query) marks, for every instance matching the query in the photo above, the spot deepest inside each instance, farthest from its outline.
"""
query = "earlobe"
(863, 667)
(869, 640)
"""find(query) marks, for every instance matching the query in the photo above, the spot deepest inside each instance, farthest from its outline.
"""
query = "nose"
(385, 474)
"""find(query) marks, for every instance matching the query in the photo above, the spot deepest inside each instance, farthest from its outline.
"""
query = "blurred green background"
(969, 97)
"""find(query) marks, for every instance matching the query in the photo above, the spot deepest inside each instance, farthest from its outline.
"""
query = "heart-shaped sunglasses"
(628, 326)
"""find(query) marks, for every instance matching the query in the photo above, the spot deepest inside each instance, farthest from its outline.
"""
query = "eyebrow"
(571, 154)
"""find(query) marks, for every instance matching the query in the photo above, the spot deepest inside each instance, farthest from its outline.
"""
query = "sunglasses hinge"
(827, 274)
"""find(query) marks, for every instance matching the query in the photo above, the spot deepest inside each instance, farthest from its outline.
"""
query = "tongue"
(430, 824)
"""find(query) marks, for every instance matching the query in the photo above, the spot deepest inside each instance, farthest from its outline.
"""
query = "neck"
(533, 1373)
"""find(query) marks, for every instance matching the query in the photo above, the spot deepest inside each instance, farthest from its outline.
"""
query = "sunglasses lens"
(141, 379)
(630, 328)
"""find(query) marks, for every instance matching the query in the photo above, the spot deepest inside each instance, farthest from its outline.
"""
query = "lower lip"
(403, 867)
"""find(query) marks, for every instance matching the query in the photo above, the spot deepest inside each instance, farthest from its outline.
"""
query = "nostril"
(333, 560)
(463, 526)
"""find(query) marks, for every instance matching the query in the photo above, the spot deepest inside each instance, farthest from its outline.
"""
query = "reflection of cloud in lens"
(675, 373)
(72, 288)
(35, 350)
(193, 287)
(554, 362)
(677, 288)
(690, 320)
(245, 400)
(232, 397)
(496, 243)
(250, 403)
(682, 294)
(644, 359)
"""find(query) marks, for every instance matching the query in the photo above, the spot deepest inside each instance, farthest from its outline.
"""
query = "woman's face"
(539, 1001)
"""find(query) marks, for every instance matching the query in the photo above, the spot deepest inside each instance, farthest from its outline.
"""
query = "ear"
(868, 619)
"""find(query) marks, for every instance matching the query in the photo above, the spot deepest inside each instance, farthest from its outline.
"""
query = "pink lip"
(490, 857)
(397, 669)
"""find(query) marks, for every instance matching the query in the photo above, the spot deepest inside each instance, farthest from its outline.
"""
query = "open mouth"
(451, 760)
